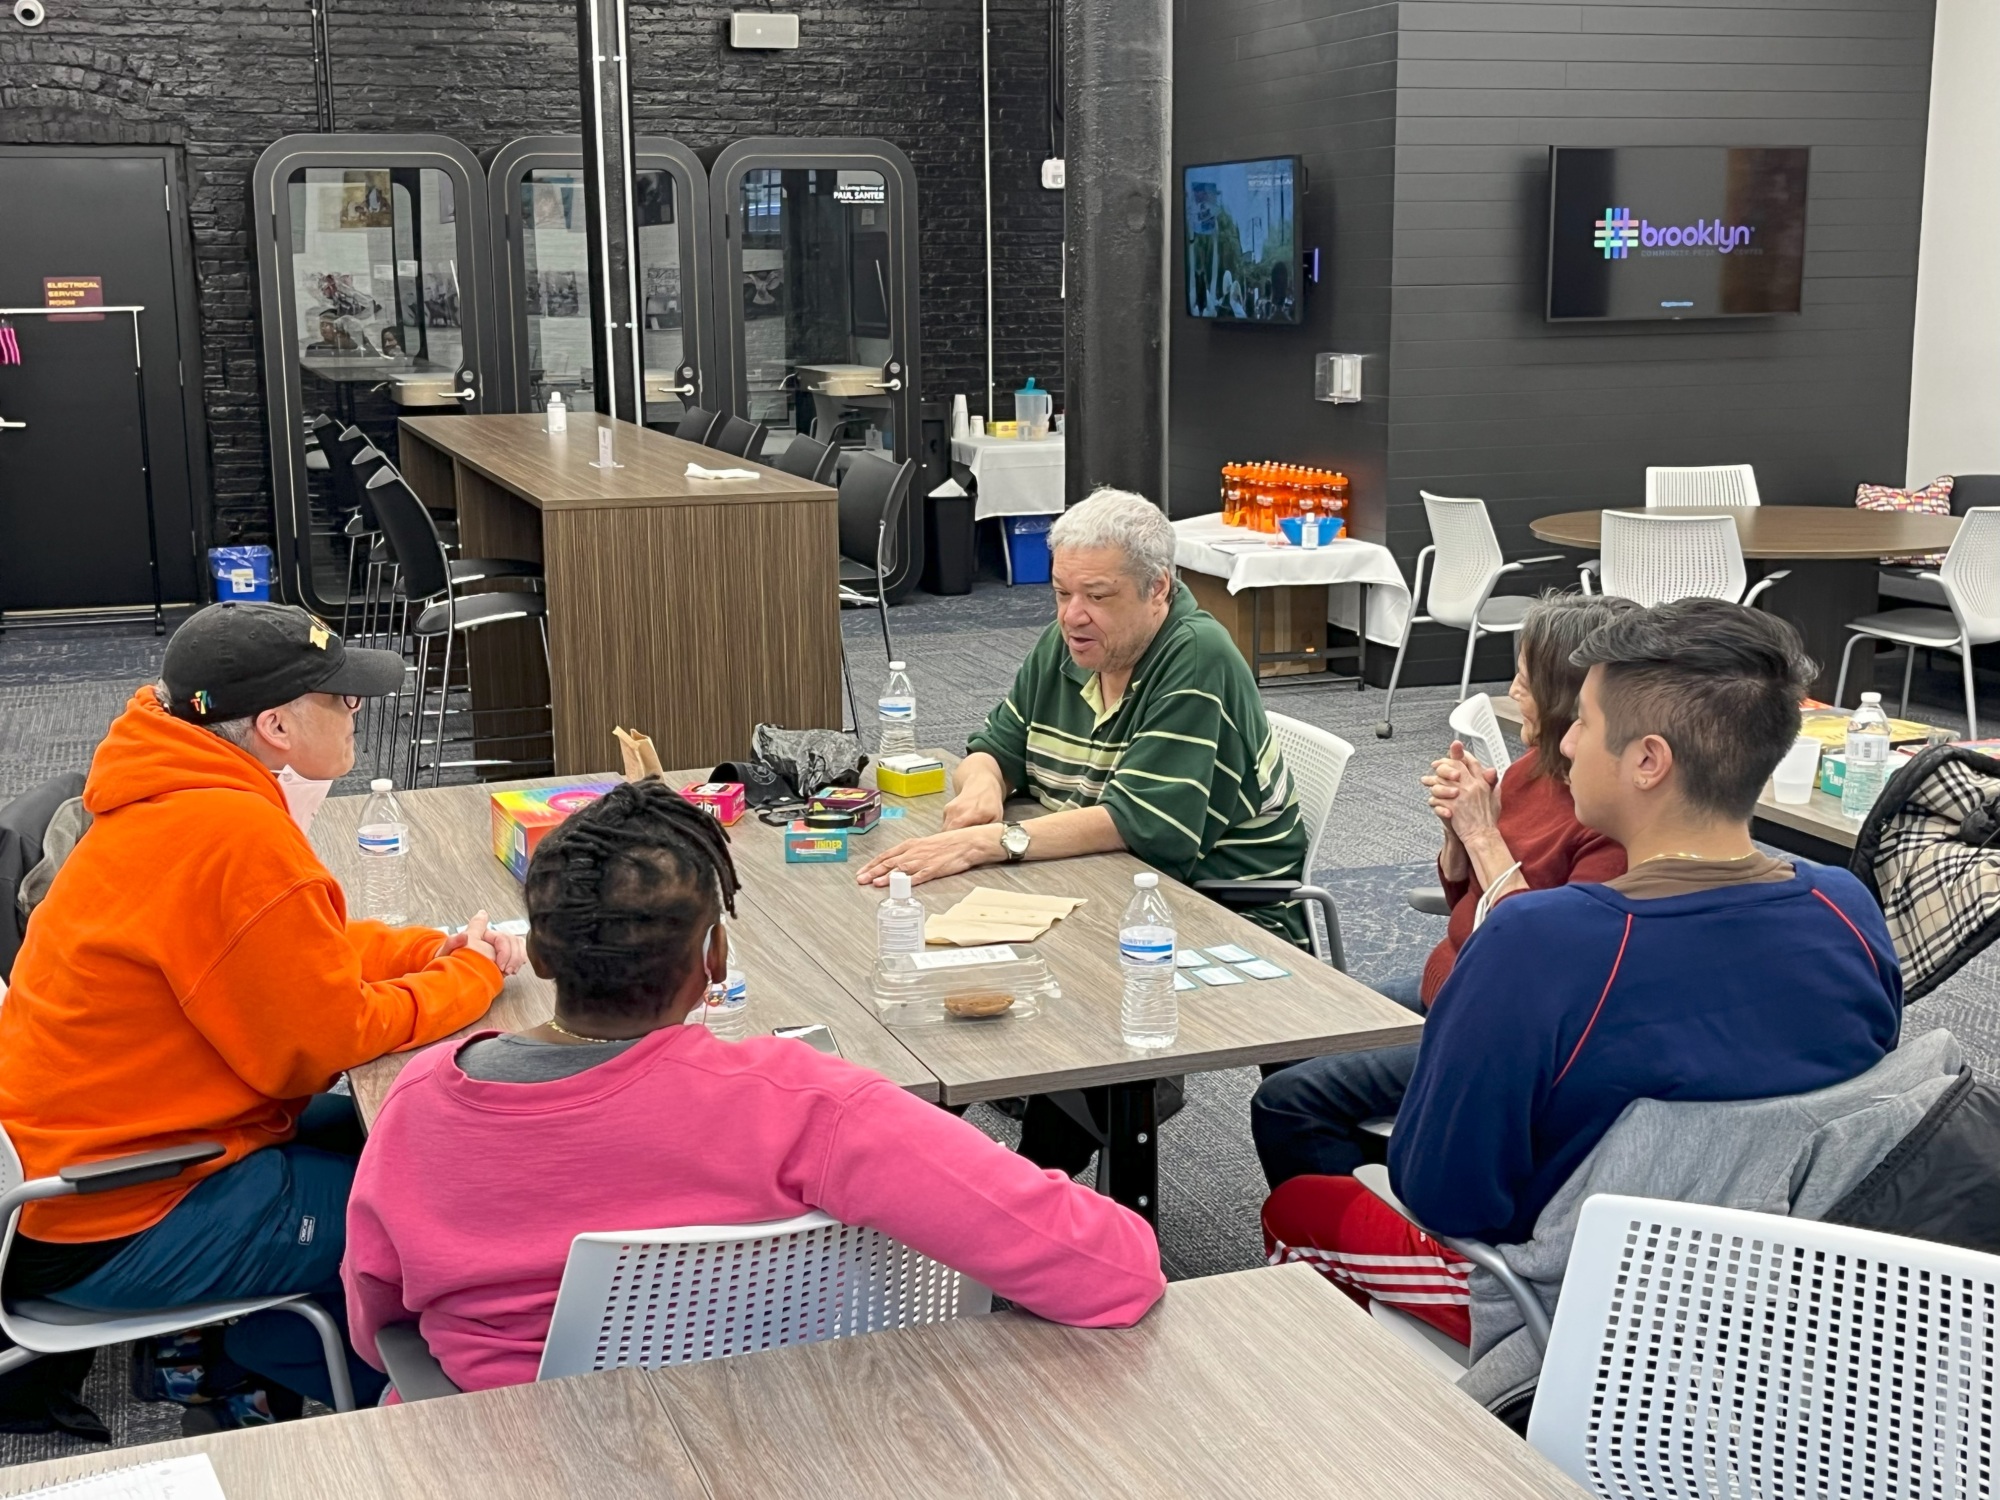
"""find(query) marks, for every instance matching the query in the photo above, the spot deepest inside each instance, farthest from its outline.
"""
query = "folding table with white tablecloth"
(1012, 477)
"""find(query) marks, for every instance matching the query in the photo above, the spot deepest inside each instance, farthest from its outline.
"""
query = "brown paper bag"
(641, 759)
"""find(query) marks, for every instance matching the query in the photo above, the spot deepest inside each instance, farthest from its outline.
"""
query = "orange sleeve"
(288, 1006)
(391, 952)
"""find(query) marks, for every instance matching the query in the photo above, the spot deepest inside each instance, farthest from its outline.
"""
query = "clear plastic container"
(961, 985)
(1032, 409)
(1867, 757)
(899, 920)
(896, 711)
(383, 840)
(1149, 1012)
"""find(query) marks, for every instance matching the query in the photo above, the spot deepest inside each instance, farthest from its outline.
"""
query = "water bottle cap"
(381, 784)
(899, 886)
(1146, 880)
(895, 666)
(1871, 697)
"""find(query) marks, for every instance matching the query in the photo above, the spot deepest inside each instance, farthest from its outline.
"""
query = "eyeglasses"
(351, 701)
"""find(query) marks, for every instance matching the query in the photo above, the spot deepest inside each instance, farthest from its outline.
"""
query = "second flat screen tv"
(1242, 240)
(1647, 232)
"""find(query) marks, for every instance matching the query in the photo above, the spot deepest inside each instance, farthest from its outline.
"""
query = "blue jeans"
(1306, 1119)
(271, 1224)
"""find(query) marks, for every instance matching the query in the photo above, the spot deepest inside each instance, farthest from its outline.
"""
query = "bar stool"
(433, 610)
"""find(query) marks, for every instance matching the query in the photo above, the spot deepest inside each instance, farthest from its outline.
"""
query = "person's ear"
(274, 728)
(1651, 760)
(536, 961)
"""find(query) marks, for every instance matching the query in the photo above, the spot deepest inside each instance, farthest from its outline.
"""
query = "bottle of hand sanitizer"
(558, 413)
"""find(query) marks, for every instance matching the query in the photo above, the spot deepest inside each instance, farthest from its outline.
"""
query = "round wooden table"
(1834, 552)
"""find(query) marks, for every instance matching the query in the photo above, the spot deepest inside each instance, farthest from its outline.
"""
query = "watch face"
(1015, 840)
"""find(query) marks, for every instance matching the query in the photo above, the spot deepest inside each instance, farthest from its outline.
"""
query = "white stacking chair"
(1654, 558)
(660, 1297)
(1317, 759)
(1464, 562)
(1709, 1351)
(1970, 578)
(1474, 722)
(1720, 485)
(39, 1326)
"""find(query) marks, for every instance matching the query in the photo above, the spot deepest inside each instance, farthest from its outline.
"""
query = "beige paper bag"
(641, 759)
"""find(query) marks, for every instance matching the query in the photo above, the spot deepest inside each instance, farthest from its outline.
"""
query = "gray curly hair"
(1121, 519)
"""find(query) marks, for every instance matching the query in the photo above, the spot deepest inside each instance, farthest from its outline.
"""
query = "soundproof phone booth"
(817, 298)
(540, 253)
(373, 273)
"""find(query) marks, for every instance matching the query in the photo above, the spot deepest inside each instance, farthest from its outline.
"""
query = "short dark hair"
(1555, 626)
(620, 893)
(1718, 682)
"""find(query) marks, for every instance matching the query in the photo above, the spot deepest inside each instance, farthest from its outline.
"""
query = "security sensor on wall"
(764, 31)
(1052, 172)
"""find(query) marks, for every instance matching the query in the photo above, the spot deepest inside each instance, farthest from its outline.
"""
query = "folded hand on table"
(507, 951)
(937, 855)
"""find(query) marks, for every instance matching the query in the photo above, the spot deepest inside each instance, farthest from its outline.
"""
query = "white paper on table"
(188, 1478)
(696, 471)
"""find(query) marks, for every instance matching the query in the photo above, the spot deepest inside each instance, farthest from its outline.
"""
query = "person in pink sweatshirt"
(490, 1155)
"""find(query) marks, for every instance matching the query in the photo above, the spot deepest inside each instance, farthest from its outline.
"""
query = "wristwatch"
(1014, 839)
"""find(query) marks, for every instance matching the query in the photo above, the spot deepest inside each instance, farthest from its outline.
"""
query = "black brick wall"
(224, 78)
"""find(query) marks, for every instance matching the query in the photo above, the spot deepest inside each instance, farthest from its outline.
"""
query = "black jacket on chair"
(1942, 1180)
(22, 824)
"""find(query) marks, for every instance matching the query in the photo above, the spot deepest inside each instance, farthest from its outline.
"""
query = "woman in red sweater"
(1509, 834)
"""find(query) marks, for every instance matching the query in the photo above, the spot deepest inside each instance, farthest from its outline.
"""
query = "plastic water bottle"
(1867, 757)
(1149, 1014)
(385, 855)
(899, 920)
(727, 1011)
(558, 413)
(898, 710)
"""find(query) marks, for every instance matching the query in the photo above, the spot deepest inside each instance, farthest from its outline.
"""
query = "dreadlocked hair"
(621, 893)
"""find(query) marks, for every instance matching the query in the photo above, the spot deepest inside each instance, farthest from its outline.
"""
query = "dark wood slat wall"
(1479, 395)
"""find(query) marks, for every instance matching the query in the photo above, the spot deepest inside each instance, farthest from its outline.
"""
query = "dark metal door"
(73, 453)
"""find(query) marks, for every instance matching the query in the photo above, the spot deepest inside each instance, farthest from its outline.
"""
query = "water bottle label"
(896, 708)
(1867, 749)
(1137, 949)
(381, 841)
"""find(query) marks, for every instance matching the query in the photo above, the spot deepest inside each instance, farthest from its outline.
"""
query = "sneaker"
(229, 1413)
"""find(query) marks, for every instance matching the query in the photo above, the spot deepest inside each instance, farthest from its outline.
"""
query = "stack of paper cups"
(960, 422)
(979, 426)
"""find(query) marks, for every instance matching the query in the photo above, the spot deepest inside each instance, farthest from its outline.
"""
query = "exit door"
(88, 414)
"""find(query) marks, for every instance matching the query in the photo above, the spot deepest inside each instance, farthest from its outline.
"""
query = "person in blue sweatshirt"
(1708, 971)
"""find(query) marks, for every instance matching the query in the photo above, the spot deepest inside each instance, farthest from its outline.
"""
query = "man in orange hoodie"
(193, 976)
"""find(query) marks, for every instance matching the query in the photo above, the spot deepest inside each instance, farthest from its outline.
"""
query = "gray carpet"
(58, 689)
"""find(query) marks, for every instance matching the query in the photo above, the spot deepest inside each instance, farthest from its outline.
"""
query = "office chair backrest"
(696, 425)
(1971, 574)
(679, 1296)
(1468, 557)
(1707, 488)
(1711, 1351)
(738, 438)
(1654, 558)
(1970, 491)
(871, 509)
(1474, 722)
(411, 534)
(809, 458)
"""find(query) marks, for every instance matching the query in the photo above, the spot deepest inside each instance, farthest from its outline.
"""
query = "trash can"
(1028, 548)
(240, 573)
(949, 561)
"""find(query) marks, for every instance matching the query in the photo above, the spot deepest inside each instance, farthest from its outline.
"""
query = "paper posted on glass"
(990, 916)
(641, 759)
(188, 1478)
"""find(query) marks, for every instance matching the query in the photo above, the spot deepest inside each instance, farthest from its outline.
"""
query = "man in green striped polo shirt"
(1135, 720)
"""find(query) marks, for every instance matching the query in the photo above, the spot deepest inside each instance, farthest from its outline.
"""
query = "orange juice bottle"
(1264, 491)
(1337, 493)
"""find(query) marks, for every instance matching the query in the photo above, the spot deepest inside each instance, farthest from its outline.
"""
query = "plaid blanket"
(1939, 893)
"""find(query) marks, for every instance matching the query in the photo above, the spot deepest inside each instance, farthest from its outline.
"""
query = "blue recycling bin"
(240, 573)
(1028, 548)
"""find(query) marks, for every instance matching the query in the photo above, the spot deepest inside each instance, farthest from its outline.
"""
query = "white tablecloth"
(1015, 477)
(1248, 560)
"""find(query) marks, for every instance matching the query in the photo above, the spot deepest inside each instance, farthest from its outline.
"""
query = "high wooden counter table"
(691, 609)
(1833, 552)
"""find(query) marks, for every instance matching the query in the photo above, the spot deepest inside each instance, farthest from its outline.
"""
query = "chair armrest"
(1239, 894)
(144, 1166)
(1375, 1177)
(410, 1365)
(1430, 901)
(1763, 583)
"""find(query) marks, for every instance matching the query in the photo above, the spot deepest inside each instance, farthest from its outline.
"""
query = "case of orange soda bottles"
(1257, 496)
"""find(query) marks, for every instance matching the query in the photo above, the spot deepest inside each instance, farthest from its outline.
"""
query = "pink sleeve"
(923, 1176)
(374, 1277)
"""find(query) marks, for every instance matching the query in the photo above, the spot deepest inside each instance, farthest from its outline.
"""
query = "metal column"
(609, 165)
(1118, 65)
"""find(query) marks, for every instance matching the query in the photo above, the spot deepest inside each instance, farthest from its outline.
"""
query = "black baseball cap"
(230, 661)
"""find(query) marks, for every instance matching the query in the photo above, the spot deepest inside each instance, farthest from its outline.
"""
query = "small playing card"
(1182, 982)
(1262, 968)
(1187, 958)
(892, 812)
(1229, 953)
(1218, 975)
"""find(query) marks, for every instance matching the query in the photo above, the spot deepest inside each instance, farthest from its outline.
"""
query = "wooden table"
(1265, 1382)
(1834, 553)
(693, 610)
(806, 935)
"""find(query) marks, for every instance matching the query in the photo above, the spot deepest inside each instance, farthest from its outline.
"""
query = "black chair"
(1915, 585)
(809, 458)
(872, 497)
(434, 610)
(738, 438)
(697, 425)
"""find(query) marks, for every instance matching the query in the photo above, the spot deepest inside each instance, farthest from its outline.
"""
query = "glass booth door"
(541, 250)
(372, 272)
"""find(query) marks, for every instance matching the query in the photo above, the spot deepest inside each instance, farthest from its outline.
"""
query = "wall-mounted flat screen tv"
(1676, 231)
(1242, 240)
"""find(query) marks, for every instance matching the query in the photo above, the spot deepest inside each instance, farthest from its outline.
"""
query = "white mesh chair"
(1970, 578)
(1464, 561)
(38, 1326)
(1653, 558)
(1317, 759)
(1474, 722)
(1733, 485)
(1708, 1351)
(678, 1296)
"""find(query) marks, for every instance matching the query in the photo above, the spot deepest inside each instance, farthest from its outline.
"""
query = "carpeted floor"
(58, 689)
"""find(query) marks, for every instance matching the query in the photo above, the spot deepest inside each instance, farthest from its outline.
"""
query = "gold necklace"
(1720, 859)
(577, 1036)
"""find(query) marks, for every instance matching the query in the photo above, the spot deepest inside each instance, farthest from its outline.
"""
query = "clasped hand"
(507, 952)
(1463, 793)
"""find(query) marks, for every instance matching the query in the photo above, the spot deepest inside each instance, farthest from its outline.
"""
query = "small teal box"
(815, 846)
